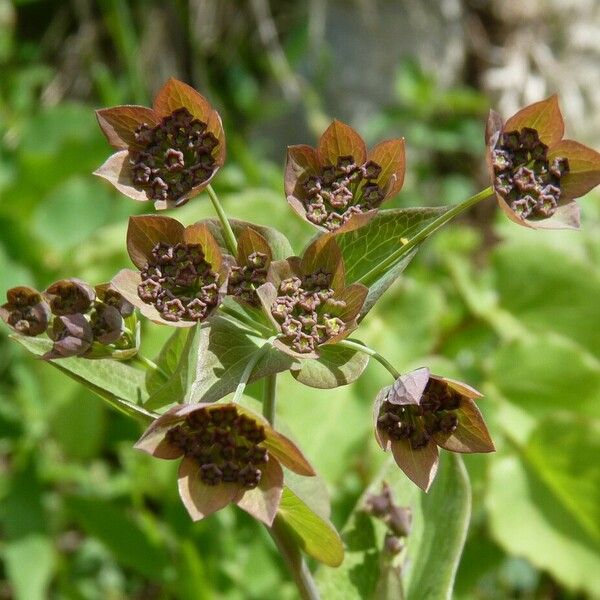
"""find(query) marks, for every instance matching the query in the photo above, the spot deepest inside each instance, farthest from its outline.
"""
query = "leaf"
(545, 116)
(123, 536)
(527, 518)
(280, 246)
(324, 254)
(545, 373)
(560, 300)
(390, 156)
(250, 241)
(432, 552)
(223, 353)
(315, 535)
(368, 246)
(30, 562)
(338, 140)
(112, 380)
(179, 358)
(167, 360)
(335, 366)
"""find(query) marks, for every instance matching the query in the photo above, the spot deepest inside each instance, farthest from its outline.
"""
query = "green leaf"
(564, 450)
(120, 384)
(29, 565)
(315, 535)
(433, 552)
(365, 248)
(547, 372)
(223, 352)
(279, 244)
(529, 517)
(335, 367)
(562, 299)
(178, 359)
(127, 541)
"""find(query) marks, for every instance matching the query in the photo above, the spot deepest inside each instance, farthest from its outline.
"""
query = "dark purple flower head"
(72, 336)
(69, 296)
(25, 311)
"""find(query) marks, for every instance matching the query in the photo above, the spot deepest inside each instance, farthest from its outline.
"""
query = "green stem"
(288, 549)
(148, 364)
(241, 386)
(227, 231)
(375, 273)
(360, 347)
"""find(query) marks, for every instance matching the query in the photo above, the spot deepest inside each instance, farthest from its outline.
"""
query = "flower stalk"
(227, 230)
(360, 347)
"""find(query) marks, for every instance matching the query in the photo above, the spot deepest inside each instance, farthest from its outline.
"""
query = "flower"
(72, 336)
(537, 174)
(339, 186)
(308, 301)
(25, 311)
(168, 153)
(253, 259)
(182, 277)
(420, 412)
(69, 296)
(230, 454)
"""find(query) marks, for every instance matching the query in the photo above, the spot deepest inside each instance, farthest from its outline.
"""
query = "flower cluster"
(339, 186)
(230, 454)
(308, 301)
(253, 260)
(225, 445)
(536, 174)
(340, 191)
(420, 412)
(168, 153)
(525, 177)
(398, 519)
(182, 277)
(74, 314)
(179, 282)
(174, 156)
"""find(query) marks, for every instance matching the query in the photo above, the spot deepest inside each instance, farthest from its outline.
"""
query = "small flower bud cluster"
(179, 282)
(525, 177)
(436, 413)
(244, 280)
(175, 156)
(340, 191)
(72, 314)
(398, 519)
(303, 307)
(224, 443)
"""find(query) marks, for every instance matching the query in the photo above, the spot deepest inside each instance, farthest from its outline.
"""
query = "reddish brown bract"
(339, 186)
(537, 174)
(167, 154)
(420, 412)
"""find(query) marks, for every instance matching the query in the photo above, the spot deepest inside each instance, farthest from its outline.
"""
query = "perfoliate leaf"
(545, 116)
(335, 366)
(365, 248)
(314, 534)
(223, 354)
(120, 122)
(338, 140)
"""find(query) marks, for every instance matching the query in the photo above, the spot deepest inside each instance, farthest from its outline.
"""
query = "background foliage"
(513, 312)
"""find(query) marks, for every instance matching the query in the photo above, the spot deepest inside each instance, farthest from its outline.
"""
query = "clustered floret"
(524, 176)
(303, 307)
(175, 156)
(179, 282)
(225, 444)
(436, 413)
(243, 280)
(340, 191)
(26, 311)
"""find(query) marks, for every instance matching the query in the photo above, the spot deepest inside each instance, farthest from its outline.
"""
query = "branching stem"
(252, 362)
(228, 234)
(360, 347)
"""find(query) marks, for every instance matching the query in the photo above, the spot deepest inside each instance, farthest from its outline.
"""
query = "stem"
(370, 352)
(287, 547)
(227, 231)
(241, 386)
(375, 273)
(148, 364)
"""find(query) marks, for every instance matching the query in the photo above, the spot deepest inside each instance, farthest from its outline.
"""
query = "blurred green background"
(513, 312)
